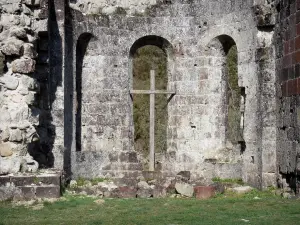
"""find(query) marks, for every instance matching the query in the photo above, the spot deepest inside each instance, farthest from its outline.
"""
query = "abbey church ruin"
(225, 90)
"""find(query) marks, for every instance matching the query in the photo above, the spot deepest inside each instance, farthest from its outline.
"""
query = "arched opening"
(150, 53)
(81, 48)
(235, 99)
(224, 54)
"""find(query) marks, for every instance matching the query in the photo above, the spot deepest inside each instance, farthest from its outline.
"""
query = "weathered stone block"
(23, 66)
(159, 192)
(12, 46)
(19, 181)
(4, 180)
(204, 192)
(48, 191)
(151, 175)
(27, 193)
(9, 165)
(127, 192)
(29, 51)
(184, 189)
(18, 32)
(6, 149)
(16, 135)
(32, 2)
(9, 82)
(50, 179)
(144, 193)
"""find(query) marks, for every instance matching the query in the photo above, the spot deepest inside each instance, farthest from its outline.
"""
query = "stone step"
(124, 167)
(34, 192)
(23, 180)
(30, 186)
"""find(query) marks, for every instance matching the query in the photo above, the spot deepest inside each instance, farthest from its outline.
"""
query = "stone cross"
(152, 92)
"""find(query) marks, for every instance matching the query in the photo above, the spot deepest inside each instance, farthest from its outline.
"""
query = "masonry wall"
(197, 113)
(288, 46)
(82, 114)
(23, 86)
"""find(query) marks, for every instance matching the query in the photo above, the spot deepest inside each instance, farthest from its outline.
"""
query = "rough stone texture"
(196, 39)
(133, 7)
(287, 71)
(23, 66)
(6, 150)
(242, 190)
(204, 192)
(70, 108)
(11, 83)
(12, 46)
(19, 107)
(184, 189)
(28, 187)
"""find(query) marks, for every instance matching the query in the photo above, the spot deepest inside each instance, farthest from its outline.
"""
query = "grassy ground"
(221, 210)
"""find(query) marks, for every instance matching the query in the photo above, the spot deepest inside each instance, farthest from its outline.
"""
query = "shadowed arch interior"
(150, 53)
(81, 48)
(224, 47)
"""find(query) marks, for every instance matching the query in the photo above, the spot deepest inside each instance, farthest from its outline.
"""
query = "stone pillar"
(56, 78)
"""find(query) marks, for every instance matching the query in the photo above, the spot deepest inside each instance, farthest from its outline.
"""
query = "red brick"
(204, 192)
(294, 85)
(287, 60)
(287, 34)
(284, 89)
(289, 87)
(298, 86)
(298, 17)
(298, 29)
(287, 47)
(292, 45)
(297, 57)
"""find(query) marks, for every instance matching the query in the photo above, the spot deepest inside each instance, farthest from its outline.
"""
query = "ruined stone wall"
(287, 60)
(197, 113)
(78, 107)
(22, 87)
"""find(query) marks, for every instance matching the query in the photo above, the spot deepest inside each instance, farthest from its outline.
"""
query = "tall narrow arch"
(81, 48)
(223, 51)
(153, 40)
(150, 53)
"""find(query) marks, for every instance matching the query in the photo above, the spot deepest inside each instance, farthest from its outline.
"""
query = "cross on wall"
(152, 92)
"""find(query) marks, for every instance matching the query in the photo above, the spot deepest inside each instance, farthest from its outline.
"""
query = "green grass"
(231, 181)
(82, 181)
(221, 210)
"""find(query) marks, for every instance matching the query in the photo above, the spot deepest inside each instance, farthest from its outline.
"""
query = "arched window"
(150, 53)
(224, 57)
(81, 48)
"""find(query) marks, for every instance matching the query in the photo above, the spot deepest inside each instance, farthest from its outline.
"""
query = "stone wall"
(197, 113)
(287, 46)
(21, 105)
(67, 76)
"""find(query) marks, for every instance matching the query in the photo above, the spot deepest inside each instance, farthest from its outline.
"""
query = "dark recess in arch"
(227, 42)
(81, 48)
(157, 41)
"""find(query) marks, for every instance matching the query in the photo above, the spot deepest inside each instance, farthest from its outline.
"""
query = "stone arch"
(81, 48)
(157, 41)
(157, 47)
(223, 54)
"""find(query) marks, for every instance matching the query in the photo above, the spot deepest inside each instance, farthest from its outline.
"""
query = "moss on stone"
(234, 97)
(120, 11)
